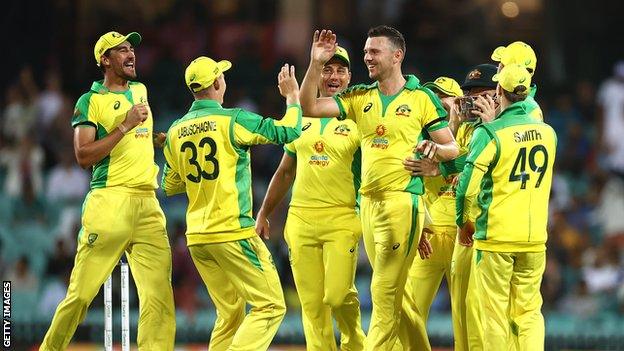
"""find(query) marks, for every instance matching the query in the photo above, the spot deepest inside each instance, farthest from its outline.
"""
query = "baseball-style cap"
(112, 39)
(480, 76)
(513, 76)
(203, 71)
(445, 85)
(517, 52)
(342, 55)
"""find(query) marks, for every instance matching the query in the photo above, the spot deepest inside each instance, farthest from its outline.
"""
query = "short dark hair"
(520, 93)
(395, 37)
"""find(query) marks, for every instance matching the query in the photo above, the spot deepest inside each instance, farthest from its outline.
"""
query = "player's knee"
(335, 299)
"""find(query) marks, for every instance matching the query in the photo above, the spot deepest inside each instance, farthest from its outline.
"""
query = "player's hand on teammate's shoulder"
(287, 82)
(263, 227)
(424, 167)
(323, 46)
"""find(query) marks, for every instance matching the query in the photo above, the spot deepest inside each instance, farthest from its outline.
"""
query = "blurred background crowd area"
(49, 63)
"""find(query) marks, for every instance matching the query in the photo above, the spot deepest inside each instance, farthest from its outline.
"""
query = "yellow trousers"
(323, 247)
(391, 225)
(424, 280)
(238, 273)
(507, 288)
(464, 313)
(115, 220)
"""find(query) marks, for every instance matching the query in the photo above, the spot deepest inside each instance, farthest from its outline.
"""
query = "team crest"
(380, 130)
(403, 110)
(474, 74)
(319, 147)
(342, 130)
(91, 239)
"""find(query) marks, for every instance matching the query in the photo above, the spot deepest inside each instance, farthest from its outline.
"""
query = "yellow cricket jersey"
(207, 154)
(131, 161)
(328, 163)
(533, 108)
(509, 167)
(439, 191)
(390, 128)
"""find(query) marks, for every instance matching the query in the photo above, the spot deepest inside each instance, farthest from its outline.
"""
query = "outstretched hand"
(287, 84)
(323, 46)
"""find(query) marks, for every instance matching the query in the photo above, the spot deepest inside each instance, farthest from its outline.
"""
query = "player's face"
(379, 57)
(121, 61)
(335, 78)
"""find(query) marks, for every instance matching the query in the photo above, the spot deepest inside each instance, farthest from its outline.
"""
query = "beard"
(129, 74)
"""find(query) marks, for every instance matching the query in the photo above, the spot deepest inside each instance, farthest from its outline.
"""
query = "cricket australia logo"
(380, 142)
(91, 239)
(403, 110)
(342, 130)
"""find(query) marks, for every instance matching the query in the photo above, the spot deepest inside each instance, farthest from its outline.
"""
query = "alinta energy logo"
(380, 142)
(141, 133)
(316, 159)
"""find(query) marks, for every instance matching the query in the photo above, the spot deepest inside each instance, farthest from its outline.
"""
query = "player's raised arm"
(323, 49)
(253, 129)
(282, 180)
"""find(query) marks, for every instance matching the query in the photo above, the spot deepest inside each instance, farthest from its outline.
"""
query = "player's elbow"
(83, 161)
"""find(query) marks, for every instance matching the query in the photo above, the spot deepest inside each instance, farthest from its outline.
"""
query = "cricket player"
(207, 155)
(392, 115)
(508, 173)
(478, 83)
(439, 233)
(523, 54)
(113, 134)
(323, 227)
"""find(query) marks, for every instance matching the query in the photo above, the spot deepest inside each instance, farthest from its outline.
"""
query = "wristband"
(122, 128)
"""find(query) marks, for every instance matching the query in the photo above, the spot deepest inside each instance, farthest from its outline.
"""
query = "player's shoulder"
(358, 89)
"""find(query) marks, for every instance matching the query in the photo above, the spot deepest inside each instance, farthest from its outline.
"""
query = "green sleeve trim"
(436, 102)
(85, 124)
(356, 170)
(480, 139)
(460, 194)
(266, 127)
(81, 111)
(453, 166)
(343, 113)
(436, 124)
(293, 105)
(289, 153)
(100, 169)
